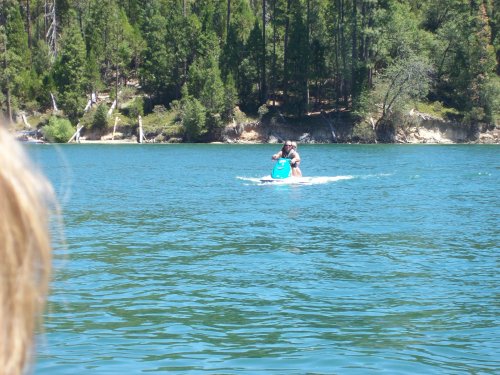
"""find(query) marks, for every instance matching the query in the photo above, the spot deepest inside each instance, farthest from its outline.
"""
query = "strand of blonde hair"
(25, 249)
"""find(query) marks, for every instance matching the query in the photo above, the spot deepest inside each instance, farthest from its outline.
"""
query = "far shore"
(426, 131)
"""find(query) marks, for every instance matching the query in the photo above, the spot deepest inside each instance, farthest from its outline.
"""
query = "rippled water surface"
(178, 260)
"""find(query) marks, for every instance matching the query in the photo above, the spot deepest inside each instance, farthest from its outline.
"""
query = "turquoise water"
(178, 260)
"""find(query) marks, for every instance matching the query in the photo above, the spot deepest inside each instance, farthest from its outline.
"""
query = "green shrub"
(363, 133)
(58, 130)
(262, 111)
(194, 119)
(100, 121)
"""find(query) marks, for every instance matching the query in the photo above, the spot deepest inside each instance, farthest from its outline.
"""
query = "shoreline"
(246, 142)
(425, 131)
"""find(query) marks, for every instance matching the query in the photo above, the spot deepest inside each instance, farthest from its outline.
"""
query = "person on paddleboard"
(288, 152)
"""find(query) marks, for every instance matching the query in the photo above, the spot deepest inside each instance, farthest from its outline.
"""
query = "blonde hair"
(25, 253)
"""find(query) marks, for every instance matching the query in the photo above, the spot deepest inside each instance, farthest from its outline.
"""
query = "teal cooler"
(282, 169)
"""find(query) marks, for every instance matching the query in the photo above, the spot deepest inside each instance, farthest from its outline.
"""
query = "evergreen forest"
(192, 66)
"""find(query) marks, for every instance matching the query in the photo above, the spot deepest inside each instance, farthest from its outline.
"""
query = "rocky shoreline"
(424, 130)
(256, 133)
(419, 129)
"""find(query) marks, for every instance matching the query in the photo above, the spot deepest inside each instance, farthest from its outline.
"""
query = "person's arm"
(277, 155)
(296, 158)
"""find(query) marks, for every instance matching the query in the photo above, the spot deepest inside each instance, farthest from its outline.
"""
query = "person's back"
(296, 167)
(25, 253)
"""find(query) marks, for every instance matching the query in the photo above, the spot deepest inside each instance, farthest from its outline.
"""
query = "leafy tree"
(403, 82)
(403, 36)
(483, 82)
(465, 62)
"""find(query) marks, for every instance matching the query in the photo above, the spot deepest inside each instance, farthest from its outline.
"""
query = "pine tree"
(156, 69)
(297, 62)
(230, 97)
(250, 84)
(14, 56)
(69, 72)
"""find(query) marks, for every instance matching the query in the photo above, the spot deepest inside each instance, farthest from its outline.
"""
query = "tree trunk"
(273, 82)
(28, 22)
(141, 131)
(7, 83)
(354, 49)
(308, 23)
(285, 51)
(264, 85)
(338, 93)
(184, 62)
(343, 52)
(228, 18)
(363, 27)
(51, 29)
(116, 86)
(9, 105)
(369, 50)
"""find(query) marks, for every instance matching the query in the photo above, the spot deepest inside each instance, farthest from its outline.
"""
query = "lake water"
(178, 260)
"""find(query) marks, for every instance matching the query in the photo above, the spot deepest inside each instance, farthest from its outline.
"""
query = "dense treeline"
(205, 57)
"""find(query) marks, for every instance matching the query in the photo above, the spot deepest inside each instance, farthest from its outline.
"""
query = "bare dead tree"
(51, 22)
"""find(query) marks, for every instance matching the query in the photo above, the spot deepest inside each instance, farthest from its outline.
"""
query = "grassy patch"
(437, 109)
(39, 120)
(162, 123)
